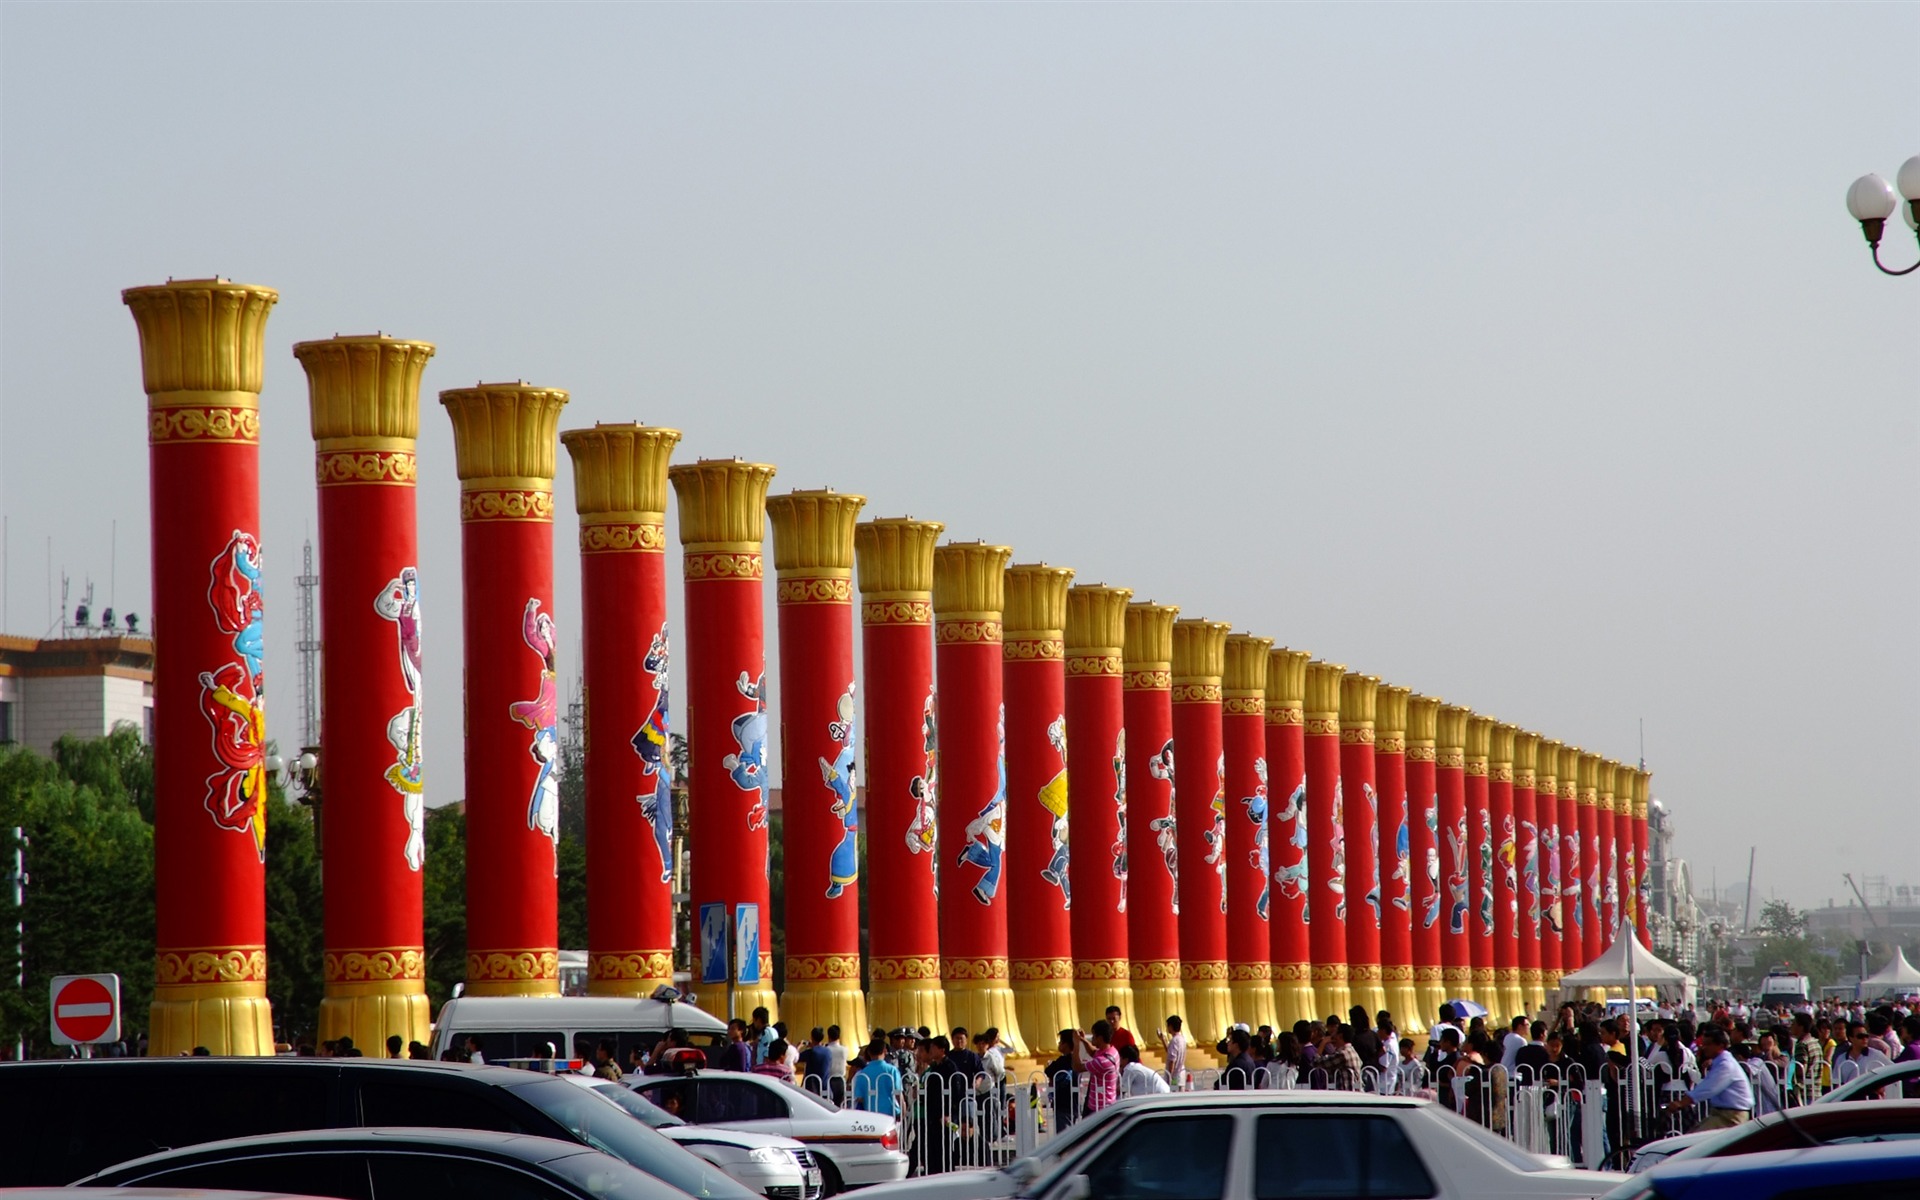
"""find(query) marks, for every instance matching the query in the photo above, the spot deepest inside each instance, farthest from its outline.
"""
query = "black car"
(62, 1120)
(394, 1164)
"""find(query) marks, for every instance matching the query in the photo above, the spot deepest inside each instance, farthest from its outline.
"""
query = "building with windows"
(50, 687)
(1674, 918)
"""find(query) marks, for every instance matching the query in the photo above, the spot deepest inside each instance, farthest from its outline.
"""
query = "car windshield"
(1493, 1144)
(608, 1178)
(636, 1106)
(1049, 1155)
(595, 1122)
(1868, 1086)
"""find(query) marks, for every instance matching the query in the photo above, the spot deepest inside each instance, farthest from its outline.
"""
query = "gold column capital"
(1479, 743)
(620, 470)
(1359, 699)
(1246, 672)
(1546, 771)
(1036, 601)
(504, 434)
(1287, 686)
(1423, 719)
(1323, 697)
(1390, 718)
(1526, 758)
(1642, 782)
(723, 504)
(1609, 769)
(1096, 629)
(363, 387)
(895, 558)
(1451, 729)
(1200, 650)
(813, 532)
(970, 580)
(1588, 778)
(1149, 636)
(201, 335)
(1500, 751)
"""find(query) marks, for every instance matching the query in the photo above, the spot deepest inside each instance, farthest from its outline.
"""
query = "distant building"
(50, 687)
(1675, 921)
(1894, 915)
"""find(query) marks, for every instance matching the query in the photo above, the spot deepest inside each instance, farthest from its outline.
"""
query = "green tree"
(1779, 919)
(295, 924)
(444, 878)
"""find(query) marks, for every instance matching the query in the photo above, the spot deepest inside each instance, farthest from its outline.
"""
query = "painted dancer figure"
(650, 742)
(233, 589)
(1217, 837)
(542, 715)
(1373, 835)
(1509, 883)
(747, 764)
(1166, 829)
(922, 835)
(843, 867)
(1457, 877)
(1292, 815)
(1403, 866)
(1256, 806)
(399, 602)
(987, 832)
(1486, 873)
(1337, 875)
(1053, 798)
(1530, 873)
(1430, 903)
(1550, 910)
(1118, 850)
(237, 792)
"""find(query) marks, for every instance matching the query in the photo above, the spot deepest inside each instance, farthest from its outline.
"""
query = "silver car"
(778, 1168)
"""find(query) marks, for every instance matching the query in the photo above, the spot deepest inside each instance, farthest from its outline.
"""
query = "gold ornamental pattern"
(1354, 735)
(1246, 706)
(1294, 972)
(1148, 681)
(1428, 974)
(1157, 969)
(1451, 758)
(200, 424)
(982, 633)
(725, 565)
(827, 590)
(1501, 772)
(1101, 970)
(333, 467)
(363, 966)
(1391, 743)
(916, 967)
(1399, 974)
(509, 965)
(1203, 972)
(515, 505)
(1285, 714)
(1252, 972)
(897, 612)
(622, 537)
(1034, 650)
(1364, 973)
(1476, 767)
(1323, 726)
(222, 964)
(1197, 693)
(1329, 972)
(810, 968)
(631, 964)
(973, 970)
(1042, 970)
(1095, 664)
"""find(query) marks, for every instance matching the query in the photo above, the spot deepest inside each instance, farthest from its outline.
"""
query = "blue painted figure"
(650, 743)
(987, 833)
(1256, 806)
(747, 765)
(843, 867)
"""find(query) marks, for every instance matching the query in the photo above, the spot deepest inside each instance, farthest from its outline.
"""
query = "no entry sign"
(85, 1009)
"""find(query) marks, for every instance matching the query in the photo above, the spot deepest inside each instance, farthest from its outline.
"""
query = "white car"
(1242, 1145)
(778, 1168)
(853, 1148)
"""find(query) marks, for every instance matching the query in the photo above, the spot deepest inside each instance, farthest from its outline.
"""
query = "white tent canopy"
(1898, 975)
(1626, 962)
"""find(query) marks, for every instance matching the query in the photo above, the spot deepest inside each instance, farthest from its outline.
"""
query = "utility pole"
(20, 926)
(309, 649)
(1746, 916)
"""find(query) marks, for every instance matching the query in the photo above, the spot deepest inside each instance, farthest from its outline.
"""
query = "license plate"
(813, 1179)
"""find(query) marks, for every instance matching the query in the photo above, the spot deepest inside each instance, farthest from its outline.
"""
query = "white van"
(523, 1030)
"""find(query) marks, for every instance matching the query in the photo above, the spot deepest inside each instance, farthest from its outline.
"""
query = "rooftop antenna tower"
(309, 648)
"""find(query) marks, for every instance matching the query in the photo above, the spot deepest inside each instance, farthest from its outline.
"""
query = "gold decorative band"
(506, 506)
(810, 967)
(1523, 778)
(1452, 758)
(1202, 972)
(512, 965)
(1529, 974)
(646, 537)
(1154, 969)
(1094, 664)
(1104, 970)
(1428, 974)
(630, 964)
(1246, 706)
(1293, 972)
(1390, 743)
(1042, 970)
(1319, 726)
(816, 590)
(359, 966)
(1022, 649)
(1197, 693)
(1364, 972)
(1329, 972)
(1148, 681)
(967, 632)
(1285, 714)
(1354, 735)
(365, 466)
(1500, 772)
(1419, 753)
(1251, 972)
(740, 564)
(1476, 767)
(211, 964)
(897, 612)
(915, 967)
(1399, 974)
(973, 970)
(1483, 974)
(200, 424)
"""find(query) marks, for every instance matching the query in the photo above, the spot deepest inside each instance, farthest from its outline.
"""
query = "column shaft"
(1643, 877)
(1287, 831)
(1360, 836)
(1573, 920)
(1396, 859)
(1605, 817)
(1153, 863)
(201, 348)
(364, 396)
(1200, 799)
(1097, 801)
(1526, 824)
(1423, 804)
(1450, 784)
(1249, 853)
(1590, 861)
(1506, 875)
(1326, 834)
(1480, 862)
(1546, 790)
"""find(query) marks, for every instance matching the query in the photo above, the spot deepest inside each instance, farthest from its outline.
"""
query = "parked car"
(779, 1168)
(1866, 1087)
(518, 1029)
(854, 1148)
(1815, 1124)
(394, 1164)
(62, 1120)
(1869, 1172)
(1260, 1144)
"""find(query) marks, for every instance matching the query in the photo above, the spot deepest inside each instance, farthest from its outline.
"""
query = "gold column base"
(1456, 983)
(757, 995)
(533, 972)
(823, 1001)
(1331, 995)
(1429, 986)
(1293, 993)
(637, 973)
(1513, 1003)
(1531, 989)
(1482, 989)
(1099, 984)
(1366, 986)
(1157, 995)
(1251, 987)
(1209, 1003)
(905, 993)
(979, 997)
(372, 1011)
(1403, 1001)
(1045, 1001)
(226, 1018)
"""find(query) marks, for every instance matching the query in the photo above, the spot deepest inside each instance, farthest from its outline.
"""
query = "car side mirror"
(1077, 1187)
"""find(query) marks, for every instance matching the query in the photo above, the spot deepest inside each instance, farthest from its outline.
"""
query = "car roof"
(523, 1147)
(1271, 1099)
(1823, 1164)
(504, 1076)
(1877, 1113)
(475, 1014)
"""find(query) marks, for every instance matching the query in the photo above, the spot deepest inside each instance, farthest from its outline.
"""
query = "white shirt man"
(1177, 1059)
(1510, 1045)
(1138, 1079)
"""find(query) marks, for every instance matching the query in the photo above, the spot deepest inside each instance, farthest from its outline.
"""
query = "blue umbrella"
(1468, 1009)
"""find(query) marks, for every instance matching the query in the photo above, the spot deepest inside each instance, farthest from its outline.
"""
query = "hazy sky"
(1524, 355)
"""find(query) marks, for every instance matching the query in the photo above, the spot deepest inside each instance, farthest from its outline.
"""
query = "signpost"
(715, 946)
(85, 1010)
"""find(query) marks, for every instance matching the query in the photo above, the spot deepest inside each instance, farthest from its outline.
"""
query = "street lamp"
(300, 779)
(1872, 200)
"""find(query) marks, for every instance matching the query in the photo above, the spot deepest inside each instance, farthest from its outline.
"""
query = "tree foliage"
(1779, 919)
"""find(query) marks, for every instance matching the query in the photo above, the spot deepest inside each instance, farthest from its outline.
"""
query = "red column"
(895, 557)
(620, 494)
(1396, 859)
(1526, 824)
(1506, 875)
(1606, 819)
(1429, 889)
(1097, 801)
(364, 395)
(1327, 911)
(1038, 883)
(969, 585)
(1200, 806)
(201, 342)
(1643, 874)
(1590, 860)
(1287, 836)
(1573, 920)
(1480, 862)
(1546, 784)
(820, 819)
(1153, 859)
(1249, 809)
(1361, 837)
(504, 437)
(723, 525)
(1456, 904)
